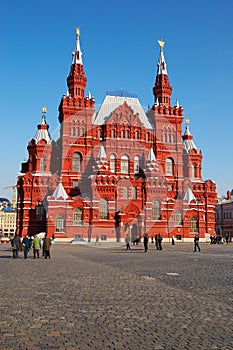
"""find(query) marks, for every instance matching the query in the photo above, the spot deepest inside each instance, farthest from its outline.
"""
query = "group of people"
(158, 242)
(28, 243)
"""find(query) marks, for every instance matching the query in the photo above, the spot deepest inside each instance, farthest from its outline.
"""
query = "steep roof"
(113, 102)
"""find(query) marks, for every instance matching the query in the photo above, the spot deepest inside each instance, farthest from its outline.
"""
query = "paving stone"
(94, 298)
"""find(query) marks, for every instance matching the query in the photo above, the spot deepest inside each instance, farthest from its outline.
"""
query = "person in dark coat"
(46, 246)
(196, 243)
(27, 245)
(156, 242)
(160, 239)
(146, 242)
(16, 247)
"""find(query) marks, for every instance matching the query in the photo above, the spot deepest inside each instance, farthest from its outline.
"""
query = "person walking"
(36, 247)
(146, 242)
(173, 240)
(160, 239)
(46, 246)
(127, 241)
(27, 244)
(16, 247)
(97, 240)
(196, 243)
(156, 242)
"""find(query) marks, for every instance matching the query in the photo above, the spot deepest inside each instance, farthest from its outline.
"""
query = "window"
(60, 223)
(103, 209)
(169, 167)
(113, 163)
(125, 193)
(78, 216)
(136, 135)
(124, 164)
(156, 210)
(193, 225)
(122, 134)
(134, 193)
(76, 162)
(73, 131)
(40, 211)
(42, 165)
(113, 133)
(178, 218)
(136, 164)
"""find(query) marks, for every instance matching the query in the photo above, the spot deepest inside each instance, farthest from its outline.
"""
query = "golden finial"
(44, 109)
(161, 43)
(78, 31)
(186, 121)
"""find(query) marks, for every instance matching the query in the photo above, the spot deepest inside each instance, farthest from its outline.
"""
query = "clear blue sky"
(119, 45)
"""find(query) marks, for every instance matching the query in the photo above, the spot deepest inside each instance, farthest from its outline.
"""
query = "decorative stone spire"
(76, 80)
(77, 54)
(162, 90)
(162, 67)
(42, 132)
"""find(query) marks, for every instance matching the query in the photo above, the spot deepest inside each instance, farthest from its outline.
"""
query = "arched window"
(156, 211)
(113, 133)
(136, 135)
(136, 164)
(60, 223)
(125, 193)
(122, 134)
(113, 163)
(73, 131)
(42, 165)
(178, 218)
(78, 216)
(103, 209)
(169, 167)
(76, 162)
(193, 225)
(124, 164)
(164, 138)
(134, 193)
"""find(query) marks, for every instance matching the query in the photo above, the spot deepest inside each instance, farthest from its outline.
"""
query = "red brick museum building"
(116, 171)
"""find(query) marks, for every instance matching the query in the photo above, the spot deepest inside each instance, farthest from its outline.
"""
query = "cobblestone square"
(105, 297)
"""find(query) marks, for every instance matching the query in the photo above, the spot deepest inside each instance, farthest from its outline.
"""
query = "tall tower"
(167, 128)
(75, 116)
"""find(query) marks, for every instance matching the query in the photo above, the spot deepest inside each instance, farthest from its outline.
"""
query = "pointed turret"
(188, 142)
(42, 132)
(162, 90)
(76, 80)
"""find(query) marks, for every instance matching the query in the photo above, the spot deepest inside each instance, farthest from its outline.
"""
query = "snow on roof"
(113, 102)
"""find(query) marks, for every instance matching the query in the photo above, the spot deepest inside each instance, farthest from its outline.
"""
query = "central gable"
(124, 115)
(112, 103)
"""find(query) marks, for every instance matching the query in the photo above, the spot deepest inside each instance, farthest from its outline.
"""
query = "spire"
(76, 80)
(42, 132)
(77, 54)
(162, 89)
(188, 142)
(162, 67)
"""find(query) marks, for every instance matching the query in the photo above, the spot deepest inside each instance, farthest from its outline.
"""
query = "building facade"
(224, 217)
(7, 223)
(116, 171)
